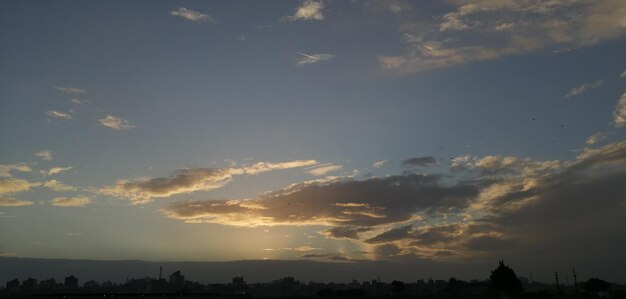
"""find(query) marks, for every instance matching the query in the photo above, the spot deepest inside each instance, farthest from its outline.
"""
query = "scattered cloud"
(392, 62)
(12, 185)
(623, 75)
(5, 169)
(70, 90)
(311, 59)
(58, 114)
(115, 123)
(45, 155)
(620, 112)
(597, 137)
(12, 202)
(189, 180)
(261, 167)
(57, 186)
(80, 101)
(583, 88)
(79, 201)
(307, 11)
(192, 15)
(379, 164)
(55, 170)
(478, 30)
(419, 162)
(324, 169)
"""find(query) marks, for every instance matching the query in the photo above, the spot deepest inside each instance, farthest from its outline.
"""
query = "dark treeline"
(502, 283)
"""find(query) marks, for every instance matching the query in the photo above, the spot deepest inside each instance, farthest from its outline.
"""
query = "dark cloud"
(547, 213)
(386, 251)
(367, 203)
(392, 235)
(419, 162)
(327, 256)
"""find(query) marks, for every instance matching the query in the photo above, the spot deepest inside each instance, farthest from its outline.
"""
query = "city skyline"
(440, 133)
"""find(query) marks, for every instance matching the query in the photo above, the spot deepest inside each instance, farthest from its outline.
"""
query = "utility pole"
(558, 287)
(575, 280)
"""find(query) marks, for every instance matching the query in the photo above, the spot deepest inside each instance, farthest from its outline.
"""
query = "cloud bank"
(492, 206)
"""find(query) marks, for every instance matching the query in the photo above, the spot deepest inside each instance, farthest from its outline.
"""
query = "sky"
(448, 132)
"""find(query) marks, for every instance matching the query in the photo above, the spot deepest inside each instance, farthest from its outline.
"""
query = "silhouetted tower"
(160, 272)
(558, 287)
(575, 280)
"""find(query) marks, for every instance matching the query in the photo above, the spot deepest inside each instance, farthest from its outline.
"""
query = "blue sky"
(190, 130)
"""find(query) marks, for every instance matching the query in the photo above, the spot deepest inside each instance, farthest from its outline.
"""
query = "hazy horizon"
(444, 134)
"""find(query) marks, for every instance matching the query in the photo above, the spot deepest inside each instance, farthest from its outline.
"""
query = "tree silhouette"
(503, 279)
(596, 285)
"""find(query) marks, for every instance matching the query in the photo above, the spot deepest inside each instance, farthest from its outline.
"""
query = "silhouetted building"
(91, 284)
(29, 285)
(47, 285)
(13, 285)
(177, 279)
(71, 282)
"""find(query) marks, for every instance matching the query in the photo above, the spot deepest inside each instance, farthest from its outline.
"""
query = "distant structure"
(177, 279)
(71, 282)
(160, 272)
(13, 285)
(558, 286)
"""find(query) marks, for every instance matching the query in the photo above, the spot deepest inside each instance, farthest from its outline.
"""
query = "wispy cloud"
(80, 101)
(54, 170)
(597, 137)
(12, 202)
(5, 169)
(59, 114)
(70, 90)
(191, 15)
(314, 58)
(45, 155)
(115, 123)
(620, 112)
(57, 186)
(419, 162)
(190, 180)
(79, 201)
(303, 248)
(324, 169)
(623, 75)
(478, 30)
(583, 88)
(307, 11)
(379, 164)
